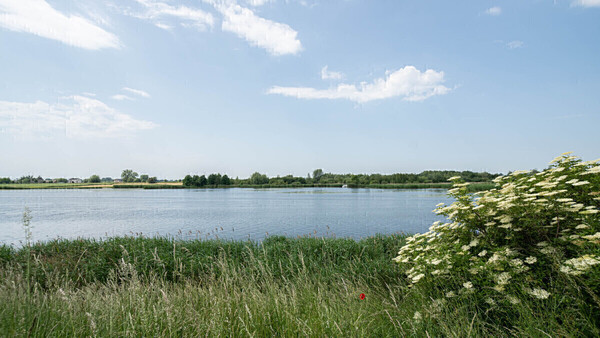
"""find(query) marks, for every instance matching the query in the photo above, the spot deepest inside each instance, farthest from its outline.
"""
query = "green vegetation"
(50, 186)
(426, 179)
(521, 260)
(534, 241)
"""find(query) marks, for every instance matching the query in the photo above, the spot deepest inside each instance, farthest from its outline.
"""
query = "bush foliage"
(535, 237)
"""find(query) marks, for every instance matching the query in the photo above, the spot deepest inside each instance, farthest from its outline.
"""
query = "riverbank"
(475, 186)
(282, 286)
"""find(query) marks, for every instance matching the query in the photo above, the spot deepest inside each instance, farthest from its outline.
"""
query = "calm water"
(241, 213)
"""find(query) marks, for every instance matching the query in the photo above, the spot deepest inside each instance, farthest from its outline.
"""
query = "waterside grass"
(134, 286)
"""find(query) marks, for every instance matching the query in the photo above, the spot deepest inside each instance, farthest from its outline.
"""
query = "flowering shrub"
(515, 239)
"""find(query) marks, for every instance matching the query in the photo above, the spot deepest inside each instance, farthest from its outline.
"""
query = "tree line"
(127, 175)
(319, 177)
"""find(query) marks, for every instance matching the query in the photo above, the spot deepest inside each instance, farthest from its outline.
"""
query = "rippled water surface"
(240, 213)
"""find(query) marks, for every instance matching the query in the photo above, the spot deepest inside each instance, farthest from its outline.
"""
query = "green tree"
(258, 178)
(94, 179)
(188, 181)
(225, 180)
(214, 179)
(317, 173)
(129, 175)
(144, 178)
(152, 179)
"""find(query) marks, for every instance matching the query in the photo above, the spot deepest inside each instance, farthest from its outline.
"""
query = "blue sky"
(286, 86)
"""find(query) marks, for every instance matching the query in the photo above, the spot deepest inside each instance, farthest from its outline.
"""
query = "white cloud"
(163, 26)
(39, 18)
(586, 3)
(277, 38)
(122, 97)
(155, 11)
(137, 92)
(408, 83)
(257, 3)
(514, 44)
(329, 75)
(494, 11)
(75, 117)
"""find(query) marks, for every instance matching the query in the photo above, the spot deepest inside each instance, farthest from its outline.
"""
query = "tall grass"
(280, 287)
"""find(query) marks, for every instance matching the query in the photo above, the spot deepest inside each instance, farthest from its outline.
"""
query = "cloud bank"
(75, 117)
(39, 18)
(408, 83)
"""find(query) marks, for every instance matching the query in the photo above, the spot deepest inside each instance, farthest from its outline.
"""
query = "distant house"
(118, 180)
(48, 180)
(75, 180)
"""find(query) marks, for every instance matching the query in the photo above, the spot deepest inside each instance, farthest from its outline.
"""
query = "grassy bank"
(280, 287)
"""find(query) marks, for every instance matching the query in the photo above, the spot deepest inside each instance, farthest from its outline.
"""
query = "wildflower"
(503, 278)
(539, 293)
(547, 250)
(516, 262)
(468, 285)
(490, 301)
(513, 299)
(580, 265)
(362, 296)
(582, 226)
(450, 294)
(417, 317)
(482, 253)
(530, 260)
(592, 237)
(416, 278)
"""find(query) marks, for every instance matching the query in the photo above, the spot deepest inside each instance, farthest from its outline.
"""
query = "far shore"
(474, 186)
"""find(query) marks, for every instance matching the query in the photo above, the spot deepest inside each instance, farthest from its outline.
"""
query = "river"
(210, 213)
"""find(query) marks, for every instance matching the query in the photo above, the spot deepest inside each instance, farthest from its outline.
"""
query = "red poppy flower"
(362, 296)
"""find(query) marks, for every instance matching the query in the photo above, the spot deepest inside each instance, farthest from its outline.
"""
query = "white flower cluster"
(512, 233)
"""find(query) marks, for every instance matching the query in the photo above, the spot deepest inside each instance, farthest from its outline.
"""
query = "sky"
(174, 87)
